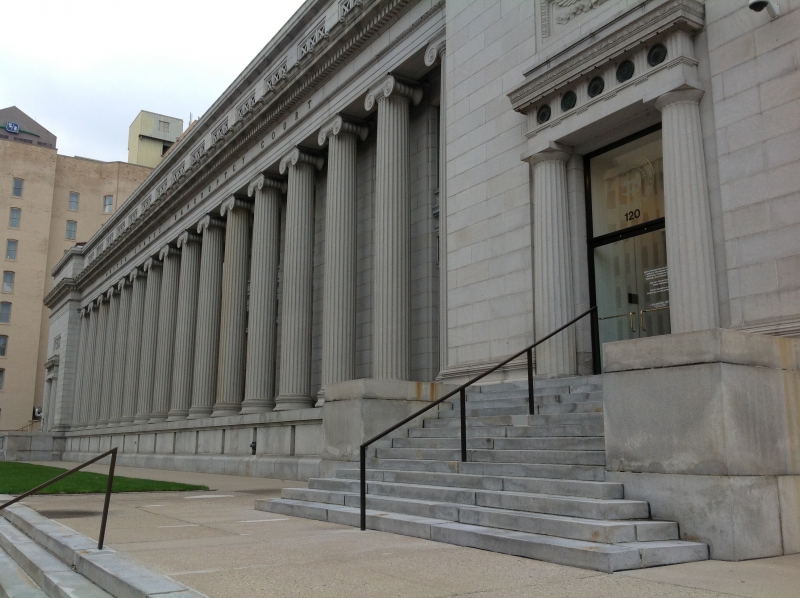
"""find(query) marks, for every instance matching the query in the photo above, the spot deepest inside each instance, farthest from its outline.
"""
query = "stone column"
(99, 362)
(391, 347)
(552, 264)
(206, 349)
(259, 390)
(233, 319)
(690, 247)
(165, 340)
(83, 364)
(133, 352)
(339, 291)
(147, 363)
(88, 386)
(120, 350)
(112, 296)
(295, 379)
(185, 327)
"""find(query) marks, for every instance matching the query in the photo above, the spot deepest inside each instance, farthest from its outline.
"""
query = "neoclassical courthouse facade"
(403, 192)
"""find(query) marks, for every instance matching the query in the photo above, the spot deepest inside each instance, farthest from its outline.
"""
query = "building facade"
(412, 191)
(50, 203)
(150, 136)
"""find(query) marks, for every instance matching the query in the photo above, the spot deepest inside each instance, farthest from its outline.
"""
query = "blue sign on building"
(12, 127)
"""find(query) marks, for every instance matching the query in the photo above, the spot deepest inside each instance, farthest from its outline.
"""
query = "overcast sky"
(85, 68)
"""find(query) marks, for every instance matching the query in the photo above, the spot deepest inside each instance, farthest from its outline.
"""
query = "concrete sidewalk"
(217, 543)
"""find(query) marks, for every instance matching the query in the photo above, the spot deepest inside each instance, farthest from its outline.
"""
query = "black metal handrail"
(462, 391)
(113, 453)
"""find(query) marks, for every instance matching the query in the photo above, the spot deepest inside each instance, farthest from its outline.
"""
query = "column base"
(320, 397)
(287, 402)
(176, 415)
(257, 406)
(199, 412)
(126, 421)
(142, 419)
(102, 424)
(226, 409)
(157, 418)
(112, 423)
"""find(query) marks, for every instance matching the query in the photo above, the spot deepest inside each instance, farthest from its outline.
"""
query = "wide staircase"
(533, 485)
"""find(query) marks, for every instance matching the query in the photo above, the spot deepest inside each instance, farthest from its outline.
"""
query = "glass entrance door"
(632, 287)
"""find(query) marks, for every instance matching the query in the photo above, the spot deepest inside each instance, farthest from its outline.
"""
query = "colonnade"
(181, 337)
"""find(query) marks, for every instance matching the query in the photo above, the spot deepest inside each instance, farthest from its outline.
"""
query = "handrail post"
(530, 383)
(463, 398)
(108, 498)
(363, 488)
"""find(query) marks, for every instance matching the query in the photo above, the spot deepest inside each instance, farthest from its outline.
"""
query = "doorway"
(628, 271)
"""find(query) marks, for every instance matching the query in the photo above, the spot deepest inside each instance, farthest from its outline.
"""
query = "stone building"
(399, 192)
(50, 202)
(150, 136)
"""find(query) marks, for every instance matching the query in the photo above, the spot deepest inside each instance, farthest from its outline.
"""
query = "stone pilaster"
(259, 392)
(120, 349)
(552, 264)
(147, 362)
(99, 362)
(233, 319)
(112, 296)
(391, 351)
(165, 340)
(133, 353)
(690, 250)
(185, 327)
(80, 381)
(339, 296)
(295, 379)
(206, 350)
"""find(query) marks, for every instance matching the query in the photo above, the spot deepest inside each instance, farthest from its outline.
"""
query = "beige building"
(150, 136)
(49, 203)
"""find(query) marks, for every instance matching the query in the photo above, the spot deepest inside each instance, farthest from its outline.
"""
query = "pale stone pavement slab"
(222, 547)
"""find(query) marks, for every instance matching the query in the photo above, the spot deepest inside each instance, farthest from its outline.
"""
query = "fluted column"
(120, 352)
(112, 296)
(259, 391)
(133, 353)
(165, 340)
(391, 352)
(206, 350)
(147, 362)
(690, 249)
(88, 385)
(233, 320)
(185, 327)
(98, 359)
(552, 264)
(80, 378)
(295, 379)
(339, 292)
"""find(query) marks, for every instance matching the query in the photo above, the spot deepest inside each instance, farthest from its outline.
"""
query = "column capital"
(340, 124)
(152, 263)
(300, 156)
(185, 238)
(265, 180)
(234, 203)
(136, 273)
(680, 96)
(122, 283)
(98, 301)
(548, 156)
(391, 85)
(209, 221)
(111, 292)
(436, 49)
(168, 250)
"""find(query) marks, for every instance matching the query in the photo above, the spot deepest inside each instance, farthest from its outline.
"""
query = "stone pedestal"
(165, 342)
(185, 327)
(705, 426)
(112, 296)
(391, 352)
(690, 251)
(357, 410)
(233, 319)
(339, 293)
(295, 379)
(120, 347)
(147, 363)
(133, 353)
(259, 391)
(209, 299)
(552, 264)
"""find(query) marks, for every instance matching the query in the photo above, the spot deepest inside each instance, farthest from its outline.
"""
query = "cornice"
(373, 18)
(569, 65)
(62, 288)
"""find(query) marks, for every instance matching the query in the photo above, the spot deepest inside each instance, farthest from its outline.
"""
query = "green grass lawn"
(16, 478)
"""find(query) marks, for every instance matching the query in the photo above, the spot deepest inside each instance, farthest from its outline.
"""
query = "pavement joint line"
(210, 496)
(149, 506)
(182, 525)
(262, 520)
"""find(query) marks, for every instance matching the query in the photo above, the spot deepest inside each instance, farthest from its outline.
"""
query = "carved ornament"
(342, 125)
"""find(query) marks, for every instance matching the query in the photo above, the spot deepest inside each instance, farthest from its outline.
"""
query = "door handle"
(631, 316)
(641, 321)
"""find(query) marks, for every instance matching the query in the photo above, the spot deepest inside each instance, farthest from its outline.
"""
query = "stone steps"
(522, 409)
(509, 431)
(497, 456)
(14, 582)
(576, 443)
(593, 473)
(577, 553)
(520, 399)
(561, 419)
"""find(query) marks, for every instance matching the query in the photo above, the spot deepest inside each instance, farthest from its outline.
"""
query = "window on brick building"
(3, 345)
(16, 190)
(11, 249)
(72, 229)
(8, 282)
(74, 199)
(108, 204)
(5, 312)
(14, 217)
